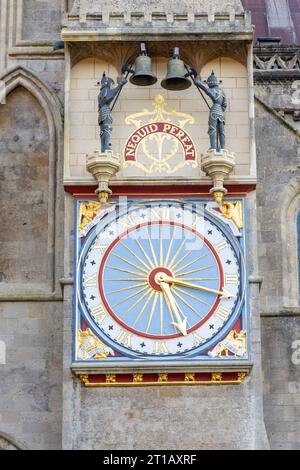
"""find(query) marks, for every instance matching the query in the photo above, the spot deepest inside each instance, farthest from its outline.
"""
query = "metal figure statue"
(105, 98)
(216, 120)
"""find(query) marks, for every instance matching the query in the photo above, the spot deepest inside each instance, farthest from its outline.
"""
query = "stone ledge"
(290, 312)
(81, 368)
(204, 180)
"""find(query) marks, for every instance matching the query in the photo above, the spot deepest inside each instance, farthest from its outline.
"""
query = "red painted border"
(137, 332)
(163, 191)
(171, 377)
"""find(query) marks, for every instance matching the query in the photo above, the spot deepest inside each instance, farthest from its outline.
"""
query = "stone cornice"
(89, 22)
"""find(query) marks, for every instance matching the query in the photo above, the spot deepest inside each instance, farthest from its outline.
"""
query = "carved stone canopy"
(195, 54)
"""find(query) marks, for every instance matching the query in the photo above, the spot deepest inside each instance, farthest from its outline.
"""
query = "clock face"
(160, 279)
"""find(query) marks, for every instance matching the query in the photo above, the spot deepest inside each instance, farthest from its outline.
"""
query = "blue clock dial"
(129, 275)
(161, 279)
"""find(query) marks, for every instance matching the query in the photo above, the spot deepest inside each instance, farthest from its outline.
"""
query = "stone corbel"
(218, 164)
(103, 167)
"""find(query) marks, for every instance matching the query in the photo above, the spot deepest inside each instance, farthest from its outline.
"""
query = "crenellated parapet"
(196, 17)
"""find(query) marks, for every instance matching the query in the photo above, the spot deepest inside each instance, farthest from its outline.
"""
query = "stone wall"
(31, 390)
(32, 215)
(278, 198)
(24, 190)
(281, 366)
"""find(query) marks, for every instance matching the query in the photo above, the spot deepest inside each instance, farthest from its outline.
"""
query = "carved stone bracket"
(218, 164)
(103, 167)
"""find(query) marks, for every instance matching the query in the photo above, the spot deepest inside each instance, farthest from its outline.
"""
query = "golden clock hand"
(224, 294)
(181, 324)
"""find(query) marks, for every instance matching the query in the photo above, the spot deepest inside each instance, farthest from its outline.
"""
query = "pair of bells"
(176, 74)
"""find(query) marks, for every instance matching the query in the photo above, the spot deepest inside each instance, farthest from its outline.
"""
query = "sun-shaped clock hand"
(180, 324)
(224, 294)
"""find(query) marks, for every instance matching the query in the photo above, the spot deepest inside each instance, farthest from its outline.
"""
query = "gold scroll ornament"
(234, 212)
(87, 212)
(89, 346)
(160, 160)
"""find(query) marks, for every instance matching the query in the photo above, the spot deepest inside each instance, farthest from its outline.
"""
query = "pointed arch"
(290, 203)
(20, 76)
(53, 109)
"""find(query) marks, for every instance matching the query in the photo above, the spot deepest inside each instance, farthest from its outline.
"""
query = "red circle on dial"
(152, 282)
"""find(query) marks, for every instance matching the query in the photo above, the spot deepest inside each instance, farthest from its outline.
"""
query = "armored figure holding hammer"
(216, 121)
(105, 98)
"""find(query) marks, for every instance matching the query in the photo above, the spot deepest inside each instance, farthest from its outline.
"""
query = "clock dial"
(160, 280)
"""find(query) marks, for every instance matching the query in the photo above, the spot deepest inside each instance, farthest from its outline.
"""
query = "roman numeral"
(161, 347)
(197, 339)
(90, 281)
(223, 312)
(198, 220)
(165, 213)
(161, 213)
(221, 246)
(155, 213)
(99, 314)
(99, 246)
(231, 278)
(126, 222)
(125, 338)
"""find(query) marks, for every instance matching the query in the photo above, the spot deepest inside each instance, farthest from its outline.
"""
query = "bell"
(143, 75)
(176, 75)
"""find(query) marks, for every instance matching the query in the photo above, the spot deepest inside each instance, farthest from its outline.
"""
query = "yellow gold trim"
(84, 379)
(177, 253)
(180, 261)
(111, 378)
(152, 250)
(144, 252)
(169, 383)
(138, 275)
(130, 263)
(163, 378)
(241, 376)
(169, 248)
(137, 378)
(189, 264)
(152, 311)
(191, 296)
(88, 346)
(87, 212)
(144, 306)
(161, 299)
(160, 246)
(135, 255)
(187, 304)
(126, 288)
(189, 378)
(217, 377)
(196, 270)
(131, 296)
(233, 212)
